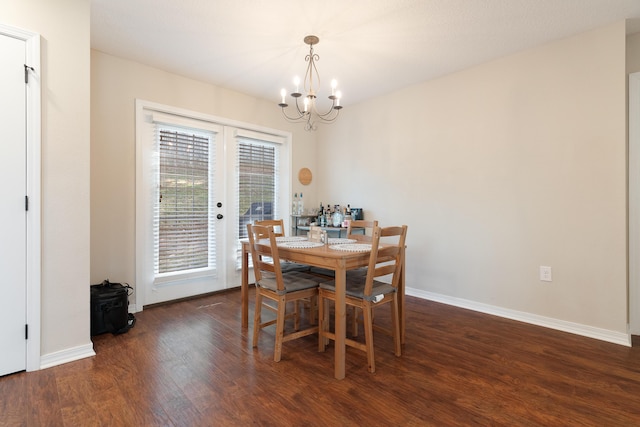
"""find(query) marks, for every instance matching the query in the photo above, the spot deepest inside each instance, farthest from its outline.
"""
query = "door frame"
(228, 238)
(633, 188)
(33, 162)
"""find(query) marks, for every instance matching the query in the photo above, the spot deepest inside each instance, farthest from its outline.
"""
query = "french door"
(239, 159)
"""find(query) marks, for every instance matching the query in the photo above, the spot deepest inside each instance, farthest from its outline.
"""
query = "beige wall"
(65, 62)
(500, 169)
(115, 84)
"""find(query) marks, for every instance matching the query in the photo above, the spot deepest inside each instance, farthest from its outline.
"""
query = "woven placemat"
(340, 240)
(300, 245)
(352, 247)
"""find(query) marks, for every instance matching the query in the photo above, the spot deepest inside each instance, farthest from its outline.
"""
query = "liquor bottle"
(336, 218)
(300, 205)
(294, 205)
(347, 217)
(327, 215)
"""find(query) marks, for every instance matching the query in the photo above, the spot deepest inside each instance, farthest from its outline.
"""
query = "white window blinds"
(183, 214)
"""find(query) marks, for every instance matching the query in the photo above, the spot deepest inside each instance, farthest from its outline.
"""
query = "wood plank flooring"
(190, 364)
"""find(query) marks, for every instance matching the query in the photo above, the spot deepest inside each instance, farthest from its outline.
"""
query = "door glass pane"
(184, 232)
(257, 182)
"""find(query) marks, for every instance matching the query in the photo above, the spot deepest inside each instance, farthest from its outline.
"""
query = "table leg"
(340, 321)
(244, 288)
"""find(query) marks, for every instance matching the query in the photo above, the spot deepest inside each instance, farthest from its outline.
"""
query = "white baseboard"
(547, 322)
(67, 355)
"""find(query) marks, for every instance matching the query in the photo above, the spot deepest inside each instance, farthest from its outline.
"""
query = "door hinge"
(26, 203)
(26, 332)
(26, 73)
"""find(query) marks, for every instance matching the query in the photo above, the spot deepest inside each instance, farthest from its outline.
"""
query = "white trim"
(260, 136)
(67, 355)
(34, 166)
(633, 188)
(533, 319)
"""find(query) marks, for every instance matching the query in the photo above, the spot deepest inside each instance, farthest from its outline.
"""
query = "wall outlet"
(545, 273)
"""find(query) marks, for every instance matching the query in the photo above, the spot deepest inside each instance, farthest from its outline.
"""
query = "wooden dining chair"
(369, 292)
(274, 285)
(286, 266)
(367, 226)
(278, 231)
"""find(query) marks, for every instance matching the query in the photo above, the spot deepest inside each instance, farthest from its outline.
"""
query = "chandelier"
(308, 113)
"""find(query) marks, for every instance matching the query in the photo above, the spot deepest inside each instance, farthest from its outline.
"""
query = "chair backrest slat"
(386, 257)
(368, 227)
(277, 224)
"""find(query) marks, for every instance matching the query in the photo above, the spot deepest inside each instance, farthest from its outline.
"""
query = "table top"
(322, 256)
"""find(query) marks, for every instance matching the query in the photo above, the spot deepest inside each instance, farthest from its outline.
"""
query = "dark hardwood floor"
(191, 364)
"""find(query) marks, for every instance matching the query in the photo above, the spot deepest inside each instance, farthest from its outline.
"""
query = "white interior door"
(13, 215)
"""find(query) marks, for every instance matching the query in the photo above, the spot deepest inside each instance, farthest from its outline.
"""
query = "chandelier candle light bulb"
(296, 82)
(309, 114)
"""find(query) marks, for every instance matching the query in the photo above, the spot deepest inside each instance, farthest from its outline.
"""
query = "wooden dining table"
(339, 262)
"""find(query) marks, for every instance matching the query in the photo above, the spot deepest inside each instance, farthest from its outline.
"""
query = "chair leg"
(368, 336)
(326, 322)
(313, 310)
(321, 322)
(277, 351)
(354, 326)
(395, 324)
(257, 317)
(296, 315)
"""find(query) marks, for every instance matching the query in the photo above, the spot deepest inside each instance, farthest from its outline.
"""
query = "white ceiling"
(371, 47)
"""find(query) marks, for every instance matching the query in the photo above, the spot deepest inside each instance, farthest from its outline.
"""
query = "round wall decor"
(304, 176)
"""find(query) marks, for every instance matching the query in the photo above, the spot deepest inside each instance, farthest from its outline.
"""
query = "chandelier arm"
(301, 112)
(328, 118)
(290, 118)
(331, 110)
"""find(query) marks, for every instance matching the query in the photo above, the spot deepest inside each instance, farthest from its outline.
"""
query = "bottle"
(300, 205)
(336, 218)
(294, 205)
(347, 217)
(321, 215)
(327, 215)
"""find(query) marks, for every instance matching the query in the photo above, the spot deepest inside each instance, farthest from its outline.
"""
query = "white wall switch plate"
(545, 273)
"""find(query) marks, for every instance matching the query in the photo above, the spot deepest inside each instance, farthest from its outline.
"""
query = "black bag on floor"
(110, 308)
